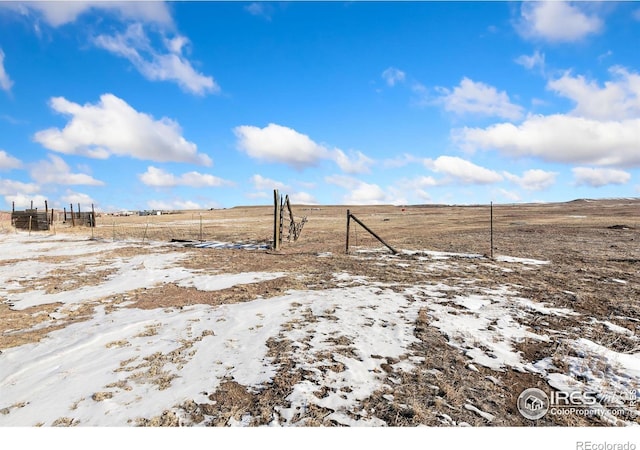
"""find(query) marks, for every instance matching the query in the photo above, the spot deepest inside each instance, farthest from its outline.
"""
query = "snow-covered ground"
(125, 364)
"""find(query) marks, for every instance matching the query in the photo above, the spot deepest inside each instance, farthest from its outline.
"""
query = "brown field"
(589, 244)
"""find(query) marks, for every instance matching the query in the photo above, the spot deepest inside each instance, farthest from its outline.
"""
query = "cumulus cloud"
(20, 193)
(303, 198)
(462, 171)
(357, 162)
(276, 143)
(260, 9)
(513, 196)
(5, 81)
(12, 187)
(57, 171)
(603, 129)
(618, 99)
(557, 21)
(471, 97)
(560, 138)
(418, 183)
(24, 200)
(418, 186)
(533, 180)
(75, 198)
(360, 192)
(160, 178)
(280, 144)
(261, 183)
(392, 76)
(8, 162)
(598, 177)
(531, 62)
(112, 127)
(264, 187)
(400, 161)
(168, 64)
(61, 13)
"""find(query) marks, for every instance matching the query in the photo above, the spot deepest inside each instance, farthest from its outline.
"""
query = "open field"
(119, 326)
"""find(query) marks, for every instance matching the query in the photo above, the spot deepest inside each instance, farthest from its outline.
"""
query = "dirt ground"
(590, 245)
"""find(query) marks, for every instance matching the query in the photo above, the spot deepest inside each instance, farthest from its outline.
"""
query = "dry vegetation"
(590, 245)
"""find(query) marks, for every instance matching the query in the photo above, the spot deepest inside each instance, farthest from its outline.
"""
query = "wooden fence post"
(276, 219)
(348, 221)
(491, 208)
(73, 220)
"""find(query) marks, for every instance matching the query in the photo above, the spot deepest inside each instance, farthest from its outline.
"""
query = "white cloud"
(557, 21)
(461, 170)
(392, 76)
(5, 81)
(20, 193)
(24, 200)
(419, 182)
(61, 13)
(366, 194)
(417, 187)
(164, 205)
(303, 198)
(478, 98)
(8, 162)
(400, 161)
(56, 171)
(168, 64)
(112, 127)
(280, 144)
(360, 192)
(560, 138)
(261, 183)
(513, 196)
(617, 99)
(75, 198)
(11, 187)
(260, 9)
(160, 178)
(264, 189)
(533, 180)
(587, 176)
(357, 162)
(531, 62)
(276, 143)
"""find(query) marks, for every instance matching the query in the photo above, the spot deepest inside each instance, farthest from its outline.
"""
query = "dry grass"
(590, 246)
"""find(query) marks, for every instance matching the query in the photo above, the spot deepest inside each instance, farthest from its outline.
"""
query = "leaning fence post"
(393, 250)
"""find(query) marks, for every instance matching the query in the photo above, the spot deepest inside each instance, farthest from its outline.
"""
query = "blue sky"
(180, 105)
